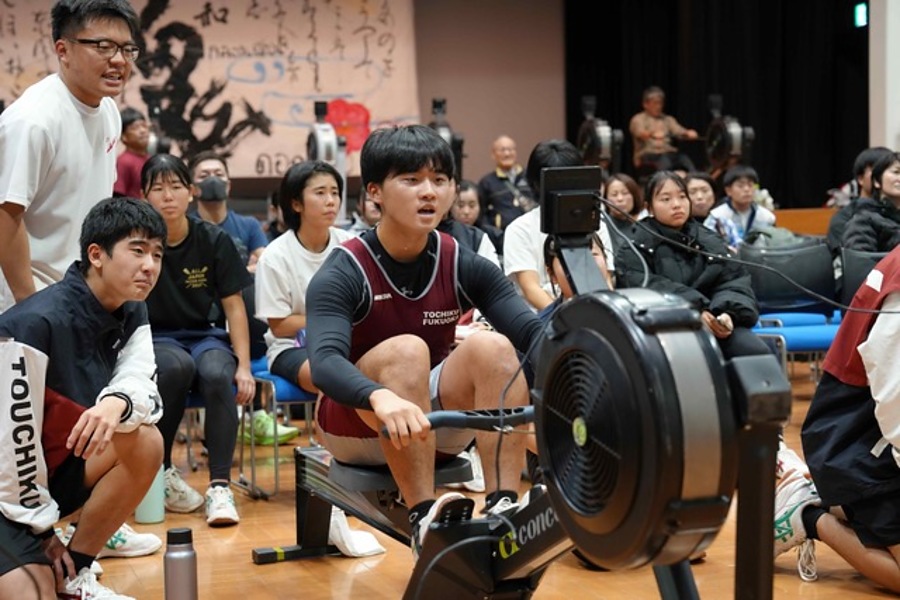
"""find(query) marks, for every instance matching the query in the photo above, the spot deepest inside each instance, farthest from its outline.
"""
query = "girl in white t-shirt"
(310, 198)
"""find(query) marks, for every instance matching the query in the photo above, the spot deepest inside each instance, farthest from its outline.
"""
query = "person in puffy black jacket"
(718, 288)
(875, 225)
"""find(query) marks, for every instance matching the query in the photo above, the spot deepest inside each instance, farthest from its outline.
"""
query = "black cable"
(739, 261)
(614, 228)
(440, 555)
(525, 357)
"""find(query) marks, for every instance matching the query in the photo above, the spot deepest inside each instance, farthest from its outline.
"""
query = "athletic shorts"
(21, 546)
(24, 547)
(350, 440)
(876, 521)
(288, 362)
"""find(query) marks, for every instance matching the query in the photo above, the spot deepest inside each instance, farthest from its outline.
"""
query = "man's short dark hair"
(868, 158)
(551, 153)
(115, 219)
(404, 149)
(884, 163)
(68, 17)
(653, 90)
(738, 172)
(206, 155)
(130, 115)
(294, 182)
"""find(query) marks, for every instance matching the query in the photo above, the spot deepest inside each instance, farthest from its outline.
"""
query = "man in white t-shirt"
(58, 160)
(58, 144)
(523, 243)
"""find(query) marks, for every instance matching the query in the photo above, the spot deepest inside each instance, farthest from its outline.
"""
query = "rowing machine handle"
(485, 420)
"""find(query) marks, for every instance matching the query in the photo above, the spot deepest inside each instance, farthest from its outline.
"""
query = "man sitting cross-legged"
(93, 328)
(382, 315)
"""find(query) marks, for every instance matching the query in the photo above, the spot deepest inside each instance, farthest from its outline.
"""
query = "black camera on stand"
(570, 212)
(439, 123)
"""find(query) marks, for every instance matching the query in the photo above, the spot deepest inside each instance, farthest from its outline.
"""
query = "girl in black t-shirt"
(202, 277)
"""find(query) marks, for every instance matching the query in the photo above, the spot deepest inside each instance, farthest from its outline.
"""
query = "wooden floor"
(227, 572)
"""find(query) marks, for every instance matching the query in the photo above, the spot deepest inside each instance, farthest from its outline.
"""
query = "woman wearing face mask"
(719, 289)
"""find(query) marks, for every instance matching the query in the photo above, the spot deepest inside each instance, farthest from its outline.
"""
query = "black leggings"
(212, 378)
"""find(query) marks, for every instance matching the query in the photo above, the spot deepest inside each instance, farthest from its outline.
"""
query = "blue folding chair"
(809, 339)
(275, 391)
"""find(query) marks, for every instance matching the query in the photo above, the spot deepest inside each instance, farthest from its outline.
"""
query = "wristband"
(129, 405)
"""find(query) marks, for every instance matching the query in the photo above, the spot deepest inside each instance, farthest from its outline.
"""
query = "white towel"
(348, 541)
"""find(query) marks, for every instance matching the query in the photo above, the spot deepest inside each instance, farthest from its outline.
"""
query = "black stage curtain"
(796, 71)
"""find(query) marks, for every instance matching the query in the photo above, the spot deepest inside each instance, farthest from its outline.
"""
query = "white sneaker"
(417, 540)
(86, 587)
(504, 507)
(535, 491)
(789, 464)
(792, 495)
(180, 497)
(128, 543)
(476, 484)
(220, 506)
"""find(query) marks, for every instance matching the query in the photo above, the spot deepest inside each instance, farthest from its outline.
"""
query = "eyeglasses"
(108, 48)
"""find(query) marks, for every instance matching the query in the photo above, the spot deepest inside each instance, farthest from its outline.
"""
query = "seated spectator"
(100, 448)
(467, 210)
(702, 193)
(135, 138)
(625, 194)
(504, 193)
(523, 243)
(367, 214)
(382, 314)
(310, 195)
(201, 272)
(213, 188)
(850, 442)
(875, 226)
(274, 225)
(465, 233)
(653, 131)
(557, 274)
(860, 187)
(701, 190)
(668, 240)
(739, 207)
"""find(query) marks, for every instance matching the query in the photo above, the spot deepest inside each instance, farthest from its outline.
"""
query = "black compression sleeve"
(484, 286)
